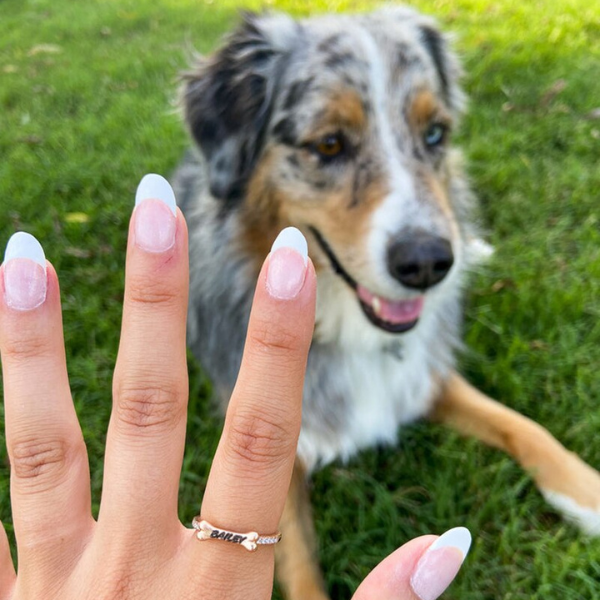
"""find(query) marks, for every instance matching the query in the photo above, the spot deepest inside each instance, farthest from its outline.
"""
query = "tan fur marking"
(271, 205)
(552, 466)
(344, 109)
(346, 230)
(424, 109)
(440, 194)
(260, 220)
(296, 563)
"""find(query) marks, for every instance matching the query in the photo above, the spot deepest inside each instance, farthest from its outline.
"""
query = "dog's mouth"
(393, 316)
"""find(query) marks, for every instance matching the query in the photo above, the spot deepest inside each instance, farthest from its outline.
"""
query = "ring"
(250, 541)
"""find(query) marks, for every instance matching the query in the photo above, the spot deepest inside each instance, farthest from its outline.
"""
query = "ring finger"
(252, 467)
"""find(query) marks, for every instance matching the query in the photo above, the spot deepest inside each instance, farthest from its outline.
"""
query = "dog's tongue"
(404, 311)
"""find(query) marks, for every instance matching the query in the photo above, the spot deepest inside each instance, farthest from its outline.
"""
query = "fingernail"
(287, 264)
(24, 272)
(438, 567)
(155, 214)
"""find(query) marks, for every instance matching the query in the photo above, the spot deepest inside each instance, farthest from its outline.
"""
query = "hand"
(137, 548)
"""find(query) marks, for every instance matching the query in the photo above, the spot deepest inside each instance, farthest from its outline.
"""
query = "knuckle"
(258, 440)
(25, 347)
(120, 587)
(274, 337)
(148, 291)
(150, 407)
(123, 575)
(37, 463)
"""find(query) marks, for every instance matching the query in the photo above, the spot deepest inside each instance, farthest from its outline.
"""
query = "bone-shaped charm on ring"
(205, 531)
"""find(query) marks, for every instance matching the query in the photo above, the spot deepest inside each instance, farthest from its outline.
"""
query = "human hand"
(137, 548)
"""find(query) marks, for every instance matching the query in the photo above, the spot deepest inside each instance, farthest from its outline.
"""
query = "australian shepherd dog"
(341, 126)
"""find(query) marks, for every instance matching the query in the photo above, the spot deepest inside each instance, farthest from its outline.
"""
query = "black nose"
(420, 260)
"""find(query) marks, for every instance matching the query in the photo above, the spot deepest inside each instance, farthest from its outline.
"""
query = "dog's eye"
(330, 146)
(435, 135)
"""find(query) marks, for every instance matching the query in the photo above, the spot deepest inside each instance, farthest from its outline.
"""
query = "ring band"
(250, 541)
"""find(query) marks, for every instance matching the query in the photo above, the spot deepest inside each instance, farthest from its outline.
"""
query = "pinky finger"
(422, 569)
(7, 569)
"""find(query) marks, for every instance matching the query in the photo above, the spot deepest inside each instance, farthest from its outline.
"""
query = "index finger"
(253, 464)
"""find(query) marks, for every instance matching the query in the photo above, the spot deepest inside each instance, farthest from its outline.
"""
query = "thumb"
(420, 570)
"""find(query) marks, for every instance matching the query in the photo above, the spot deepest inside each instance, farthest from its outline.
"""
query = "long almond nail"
(287, 264)
(155, 214)
(438, 567)
(24, 272)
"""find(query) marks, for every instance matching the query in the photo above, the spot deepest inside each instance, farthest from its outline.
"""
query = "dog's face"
(340, 127)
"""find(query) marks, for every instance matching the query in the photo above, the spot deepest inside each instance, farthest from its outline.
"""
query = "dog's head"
(340, 126)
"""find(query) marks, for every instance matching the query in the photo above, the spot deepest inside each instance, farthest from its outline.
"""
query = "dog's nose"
(420, 260)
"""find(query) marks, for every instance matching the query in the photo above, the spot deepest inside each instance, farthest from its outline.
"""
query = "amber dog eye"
(330, 146)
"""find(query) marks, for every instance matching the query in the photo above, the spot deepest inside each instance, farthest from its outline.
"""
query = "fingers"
(147, 428)
(7, 569)
(252, 467)
(49, 468)
(420, 570)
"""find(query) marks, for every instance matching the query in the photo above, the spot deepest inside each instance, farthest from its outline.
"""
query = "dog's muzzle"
(418, 261)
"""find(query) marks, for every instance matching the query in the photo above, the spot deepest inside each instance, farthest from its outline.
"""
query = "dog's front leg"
(296, 562)
(566, 482)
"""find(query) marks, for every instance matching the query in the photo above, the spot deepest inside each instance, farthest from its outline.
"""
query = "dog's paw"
(573, 488)
(587, 519)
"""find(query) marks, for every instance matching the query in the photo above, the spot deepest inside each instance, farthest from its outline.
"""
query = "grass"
(86, 94)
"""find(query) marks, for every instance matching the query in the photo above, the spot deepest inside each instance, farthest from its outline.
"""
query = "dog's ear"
(228, 98)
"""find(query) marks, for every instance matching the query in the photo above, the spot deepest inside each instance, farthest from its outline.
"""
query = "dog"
(341, 126)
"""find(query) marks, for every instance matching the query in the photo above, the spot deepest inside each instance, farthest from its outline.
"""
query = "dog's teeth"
(376, 305)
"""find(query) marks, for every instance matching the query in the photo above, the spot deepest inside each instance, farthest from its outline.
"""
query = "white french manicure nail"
(459, 537)
(290, 237)
(155, 220)
(158, 188)
(287, 264)
(440, 563)
(24, 272)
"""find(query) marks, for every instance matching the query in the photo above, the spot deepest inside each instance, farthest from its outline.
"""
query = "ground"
(86, 105)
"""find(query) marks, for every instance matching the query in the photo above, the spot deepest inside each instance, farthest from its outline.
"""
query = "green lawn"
(86, 108)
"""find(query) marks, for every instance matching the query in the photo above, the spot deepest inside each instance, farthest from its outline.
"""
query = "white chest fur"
(384, 393)
(385, 380)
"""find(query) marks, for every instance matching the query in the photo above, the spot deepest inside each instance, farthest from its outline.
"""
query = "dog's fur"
(259, 110)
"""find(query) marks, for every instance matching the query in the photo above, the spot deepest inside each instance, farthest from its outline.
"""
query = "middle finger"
(146, 434)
